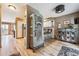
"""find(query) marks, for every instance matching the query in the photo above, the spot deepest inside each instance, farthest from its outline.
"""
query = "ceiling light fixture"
(12, 7)
(59, 8)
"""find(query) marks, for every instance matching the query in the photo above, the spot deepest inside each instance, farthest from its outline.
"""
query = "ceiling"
(9, 15)
(47, 9)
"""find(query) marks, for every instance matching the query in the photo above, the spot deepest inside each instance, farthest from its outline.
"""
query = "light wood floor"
(51, 48)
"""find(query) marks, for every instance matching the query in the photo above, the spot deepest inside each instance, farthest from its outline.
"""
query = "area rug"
(67, 51)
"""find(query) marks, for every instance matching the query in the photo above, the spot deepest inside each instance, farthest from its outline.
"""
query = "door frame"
(19, 19)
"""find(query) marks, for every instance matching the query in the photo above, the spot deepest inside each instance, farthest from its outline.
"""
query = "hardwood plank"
(51, 48)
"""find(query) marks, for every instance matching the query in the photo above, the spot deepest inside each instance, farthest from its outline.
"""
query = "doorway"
(7, 28)
(19, 28)
(4, 28)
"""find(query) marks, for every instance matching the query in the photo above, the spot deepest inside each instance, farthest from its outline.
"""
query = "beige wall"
(69, 17)
(0, 26)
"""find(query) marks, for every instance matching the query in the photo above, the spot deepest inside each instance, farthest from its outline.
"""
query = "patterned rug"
(67, 51)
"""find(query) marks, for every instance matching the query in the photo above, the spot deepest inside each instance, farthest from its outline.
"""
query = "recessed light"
(12, 7)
